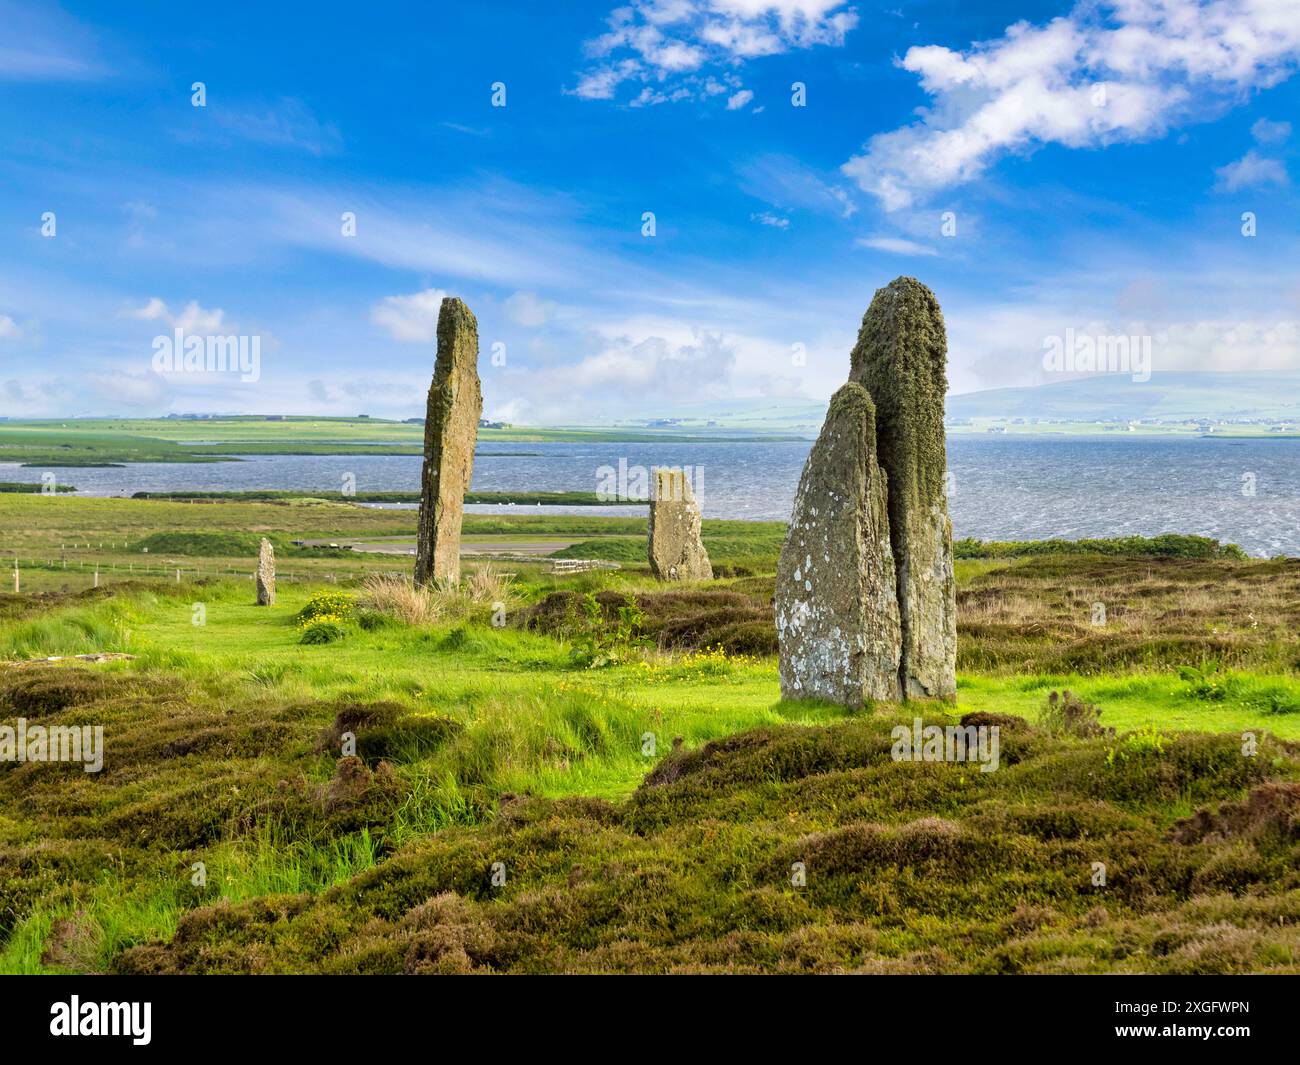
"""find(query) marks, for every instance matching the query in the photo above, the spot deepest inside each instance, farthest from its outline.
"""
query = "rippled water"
(1004, 487)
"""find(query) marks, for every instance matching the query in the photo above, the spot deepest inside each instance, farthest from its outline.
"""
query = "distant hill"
(1175, 396)
(1178, 395)
(798, 416)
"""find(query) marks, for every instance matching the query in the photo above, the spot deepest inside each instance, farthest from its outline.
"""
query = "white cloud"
(767, 218)
(192, 319)
(895, 245)
(8, 329)
(154, 309)
(1118, 70)
(739, 99)
(412, 318)
(661, 41)
(1249, 172)
(1268, 132)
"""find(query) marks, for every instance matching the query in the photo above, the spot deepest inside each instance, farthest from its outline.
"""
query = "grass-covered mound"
(908, 867)
(692, 619)
(224, 544)
(32, 488)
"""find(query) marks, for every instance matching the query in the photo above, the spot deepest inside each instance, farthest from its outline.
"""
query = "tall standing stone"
(676, 547)
(901, 359)
(266, 574)
(836, 605)
(450, 433)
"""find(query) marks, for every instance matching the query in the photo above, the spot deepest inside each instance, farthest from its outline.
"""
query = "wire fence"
(94, 574)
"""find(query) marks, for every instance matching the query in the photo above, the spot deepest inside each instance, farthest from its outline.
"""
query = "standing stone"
(836, 605)
(675, 545)
(901, 359)
(450, 433)
(266, 574)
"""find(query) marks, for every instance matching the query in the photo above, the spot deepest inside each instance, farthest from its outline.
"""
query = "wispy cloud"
(786, 183)
(495, 232)
(1117, 70)
(284, 123)
(43, 44)
(895, 245)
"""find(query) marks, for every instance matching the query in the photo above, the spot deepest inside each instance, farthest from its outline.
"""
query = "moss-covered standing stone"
(901, 359)
(450, 433)
(836, 605)
(674, 544)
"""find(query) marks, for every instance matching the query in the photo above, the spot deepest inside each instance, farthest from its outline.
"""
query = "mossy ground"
(480, 744)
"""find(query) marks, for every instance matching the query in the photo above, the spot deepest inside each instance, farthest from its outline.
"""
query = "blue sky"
(1096, 159)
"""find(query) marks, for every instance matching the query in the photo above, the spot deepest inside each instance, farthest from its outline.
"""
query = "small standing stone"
(266, 574)
(450, 433)
(836, 604)
(676, 547)
(901, 359)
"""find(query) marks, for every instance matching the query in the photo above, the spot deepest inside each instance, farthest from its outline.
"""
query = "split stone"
(901, 360)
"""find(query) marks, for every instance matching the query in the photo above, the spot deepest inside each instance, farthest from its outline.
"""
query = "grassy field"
(596, 772)
(99, 441)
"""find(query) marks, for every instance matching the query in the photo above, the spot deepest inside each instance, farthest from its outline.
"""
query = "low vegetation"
(594, 772)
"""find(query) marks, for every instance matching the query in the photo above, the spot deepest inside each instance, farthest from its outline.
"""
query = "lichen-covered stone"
(450, 433)
(266, 574)
(676, 548)
(836, 606)
(901, 359)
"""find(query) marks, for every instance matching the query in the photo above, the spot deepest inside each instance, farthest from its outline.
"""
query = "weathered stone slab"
(266, 574)
(901, 359)
(450, 432)
(676, 548)
(836, 605)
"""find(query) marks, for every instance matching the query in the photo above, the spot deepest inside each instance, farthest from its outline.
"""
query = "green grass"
(479, 743)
